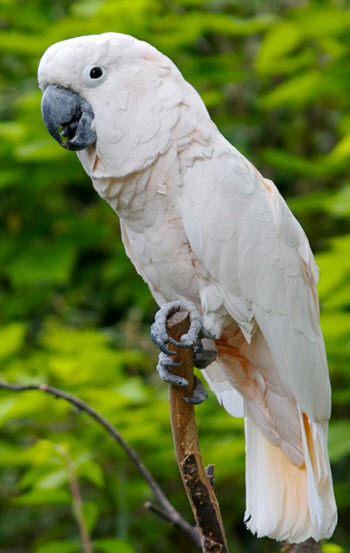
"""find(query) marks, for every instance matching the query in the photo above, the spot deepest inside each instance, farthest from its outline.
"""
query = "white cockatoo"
(202, 225)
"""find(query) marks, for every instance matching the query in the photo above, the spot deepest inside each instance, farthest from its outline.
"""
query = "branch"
(170, 513)
(308, 546)
(198, 487)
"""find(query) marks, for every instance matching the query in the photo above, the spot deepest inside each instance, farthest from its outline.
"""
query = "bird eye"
(94, 75)
(96, 72)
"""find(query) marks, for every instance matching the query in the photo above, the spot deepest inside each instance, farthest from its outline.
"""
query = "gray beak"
(61, 107)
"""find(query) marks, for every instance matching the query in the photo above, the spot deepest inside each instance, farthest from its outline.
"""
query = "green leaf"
(335, 324)
(87, 8)
(53, 479)
(44, 497)
(44, 262)
(91, 512)
(320, 21)
(334, 266)
(92, 472)
(341, 151)
(339, 440)
(133, 390)
(43, 150)
(282, 39)
(297, 91)
(11, 339)
(331, 548)
(339, 203)
(295, 165)
(6, 406)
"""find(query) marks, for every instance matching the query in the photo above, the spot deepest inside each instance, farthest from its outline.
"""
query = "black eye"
(96, 72)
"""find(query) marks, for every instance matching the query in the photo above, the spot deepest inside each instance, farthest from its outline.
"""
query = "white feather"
(227, 395)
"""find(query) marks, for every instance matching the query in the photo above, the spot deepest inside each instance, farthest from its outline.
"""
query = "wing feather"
(260, 261)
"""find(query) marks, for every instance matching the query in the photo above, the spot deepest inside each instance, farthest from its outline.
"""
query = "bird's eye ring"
(94, 75)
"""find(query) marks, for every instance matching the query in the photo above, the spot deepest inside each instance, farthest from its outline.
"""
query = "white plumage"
(237, 252)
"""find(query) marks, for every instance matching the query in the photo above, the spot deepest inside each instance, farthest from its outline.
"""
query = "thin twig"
(77, 501)
(173, 515)
(157, 510)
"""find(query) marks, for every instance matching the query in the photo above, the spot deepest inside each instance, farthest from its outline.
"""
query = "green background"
(275, 76)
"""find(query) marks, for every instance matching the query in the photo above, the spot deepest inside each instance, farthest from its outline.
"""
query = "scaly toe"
(166, 375)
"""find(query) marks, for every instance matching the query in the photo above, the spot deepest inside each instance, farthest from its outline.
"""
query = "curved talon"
(160, 339)
(173, 364)
(199, 393)
(179, 344)
(166, 375)
(164, 349)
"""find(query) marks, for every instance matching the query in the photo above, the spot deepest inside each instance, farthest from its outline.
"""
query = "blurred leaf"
(6, 406)
(331, 548)
(323, 20)
(53, 479)
(282, 39)
(39, 150)
(45, 262)
(87, 8)
(339, 440)
(92, 472)
(21, 43)
(11, 339)
(91, 513)
(296, 165)
(341, 151)
(295, 92)
(44, 497)
(340, 202)
(133, 390)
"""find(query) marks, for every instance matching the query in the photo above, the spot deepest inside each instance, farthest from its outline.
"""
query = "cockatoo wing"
(261, 264)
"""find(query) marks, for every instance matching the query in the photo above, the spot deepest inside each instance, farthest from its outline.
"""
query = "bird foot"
(199, 393)
(204, 351)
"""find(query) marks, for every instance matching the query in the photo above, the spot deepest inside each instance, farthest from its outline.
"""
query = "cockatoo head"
(114, 93)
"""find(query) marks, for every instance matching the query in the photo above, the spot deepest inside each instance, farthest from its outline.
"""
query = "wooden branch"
(308, 546)
(199, 489)
(169, 513)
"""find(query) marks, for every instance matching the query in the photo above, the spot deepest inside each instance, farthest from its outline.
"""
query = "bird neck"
(141, 197)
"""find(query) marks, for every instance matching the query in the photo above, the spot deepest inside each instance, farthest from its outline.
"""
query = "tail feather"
(285, 501)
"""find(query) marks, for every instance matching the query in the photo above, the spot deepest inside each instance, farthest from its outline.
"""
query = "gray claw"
(179, 344)
(167, 376)
(160, 338)
(199, 393)
(171, 363)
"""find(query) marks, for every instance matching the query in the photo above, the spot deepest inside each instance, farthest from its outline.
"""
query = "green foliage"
(73, 312)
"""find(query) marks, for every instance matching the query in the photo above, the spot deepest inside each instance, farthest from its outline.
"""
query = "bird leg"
(204, 351)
